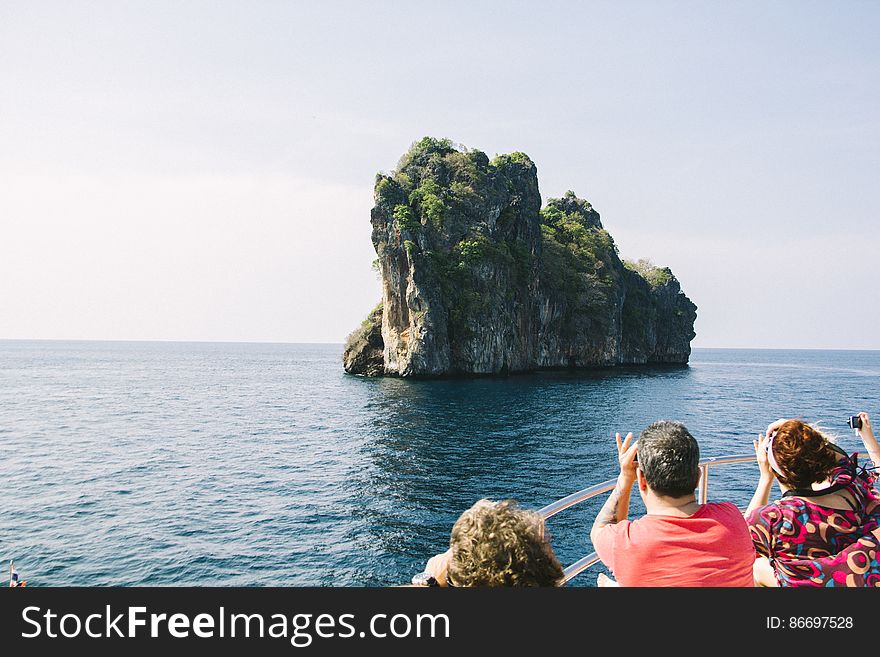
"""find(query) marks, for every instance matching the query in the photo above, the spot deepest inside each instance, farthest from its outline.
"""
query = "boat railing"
(589, 493)
(574, 499)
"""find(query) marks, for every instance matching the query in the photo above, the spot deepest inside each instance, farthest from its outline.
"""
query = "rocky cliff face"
(478, 279)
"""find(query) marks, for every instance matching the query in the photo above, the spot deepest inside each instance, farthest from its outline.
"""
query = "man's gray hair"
(669, 458)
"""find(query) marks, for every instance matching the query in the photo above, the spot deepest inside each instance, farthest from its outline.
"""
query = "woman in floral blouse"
(821, 532)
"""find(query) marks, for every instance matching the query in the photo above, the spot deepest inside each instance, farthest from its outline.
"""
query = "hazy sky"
(204, 170)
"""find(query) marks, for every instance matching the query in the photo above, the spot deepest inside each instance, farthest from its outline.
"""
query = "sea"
(230, 464)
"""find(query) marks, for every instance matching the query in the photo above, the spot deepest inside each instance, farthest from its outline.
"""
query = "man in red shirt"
(679, 542)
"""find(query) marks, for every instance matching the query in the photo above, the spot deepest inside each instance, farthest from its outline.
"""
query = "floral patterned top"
(813, 545)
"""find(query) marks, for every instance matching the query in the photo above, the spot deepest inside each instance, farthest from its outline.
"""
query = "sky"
(204, 170)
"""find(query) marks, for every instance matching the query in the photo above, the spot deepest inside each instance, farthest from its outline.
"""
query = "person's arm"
(763, 573)
(765, 482)
(438, 568)
(866, 433)
(616, 507)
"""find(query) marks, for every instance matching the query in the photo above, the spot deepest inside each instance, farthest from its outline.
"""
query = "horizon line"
(328, 342)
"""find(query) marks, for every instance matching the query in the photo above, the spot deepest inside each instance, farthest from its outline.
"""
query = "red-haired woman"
(820, 532)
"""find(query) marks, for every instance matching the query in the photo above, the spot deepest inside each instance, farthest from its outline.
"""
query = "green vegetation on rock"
(406, 219)
(428, 197)
(655, 276)
(479, 278)
(363, 348)
(439, 181)
(579, 258)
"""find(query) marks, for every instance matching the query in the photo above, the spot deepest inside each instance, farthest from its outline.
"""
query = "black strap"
(852, 466)
(809, 492)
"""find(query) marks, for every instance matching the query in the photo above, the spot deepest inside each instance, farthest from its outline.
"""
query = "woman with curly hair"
(821, 532)
(495, 544)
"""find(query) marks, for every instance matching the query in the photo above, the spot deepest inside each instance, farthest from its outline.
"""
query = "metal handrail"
(574, 499)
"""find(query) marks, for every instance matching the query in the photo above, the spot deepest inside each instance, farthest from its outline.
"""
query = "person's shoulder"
(642, 531)
(725, 506)
(773, 512)
(727, 513)
(645, 526)
(617, 527)
(613, 533)
(721, 509)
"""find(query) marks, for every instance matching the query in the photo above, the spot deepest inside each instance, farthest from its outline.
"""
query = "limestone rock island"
(478, 278)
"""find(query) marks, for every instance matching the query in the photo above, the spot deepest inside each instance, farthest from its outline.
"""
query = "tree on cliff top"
(654, 275)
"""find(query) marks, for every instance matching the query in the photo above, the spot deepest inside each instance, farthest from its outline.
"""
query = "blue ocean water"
(264, 464)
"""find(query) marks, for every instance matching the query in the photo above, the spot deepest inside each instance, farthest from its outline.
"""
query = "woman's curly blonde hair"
(500, 544)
